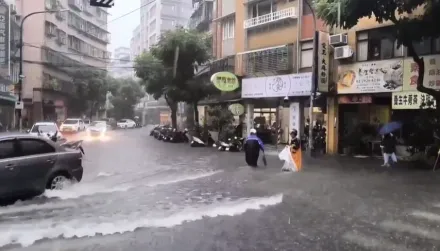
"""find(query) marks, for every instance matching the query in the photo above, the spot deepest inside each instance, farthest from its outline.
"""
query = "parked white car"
(72, 125)
(46, 129)
(126, 123)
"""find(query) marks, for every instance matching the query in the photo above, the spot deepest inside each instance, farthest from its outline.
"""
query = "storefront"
(410, 103)
(7, 108)
(364, 103)
(268, 102)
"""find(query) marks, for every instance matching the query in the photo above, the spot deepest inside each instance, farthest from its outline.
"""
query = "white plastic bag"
(289, 164)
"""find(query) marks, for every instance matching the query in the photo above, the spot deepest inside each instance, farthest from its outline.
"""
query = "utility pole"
(19, 103)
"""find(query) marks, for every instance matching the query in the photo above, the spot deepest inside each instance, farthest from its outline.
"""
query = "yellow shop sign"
(431, 77)
(225, 81)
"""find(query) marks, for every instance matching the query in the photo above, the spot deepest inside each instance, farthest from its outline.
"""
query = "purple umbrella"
(390, 127)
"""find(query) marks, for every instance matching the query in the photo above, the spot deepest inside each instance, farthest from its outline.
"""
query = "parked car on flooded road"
(30, 164)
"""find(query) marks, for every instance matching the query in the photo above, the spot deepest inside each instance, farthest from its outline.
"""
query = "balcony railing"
(270, 60)
(270, 18)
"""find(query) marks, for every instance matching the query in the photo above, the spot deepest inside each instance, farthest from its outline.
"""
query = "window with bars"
(270, 60)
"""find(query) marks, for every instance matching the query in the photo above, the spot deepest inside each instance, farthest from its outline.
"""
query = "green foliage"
(90, 92)
(220, 117)
(157, 68)
(194, 50)
(126, 93)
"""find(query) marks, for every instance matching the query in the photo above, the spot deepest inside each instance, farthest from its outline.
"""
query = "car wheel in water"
(57, 182)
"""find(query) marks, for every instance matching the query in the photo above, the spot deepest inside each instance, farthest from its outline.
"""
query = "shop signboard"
(411, 100)
(4, 35)
(371, 77)
(225, 81)
(323, 62)
(277, 86)
(355, 99)
(431, 77)
(236, 109)
(294, 116)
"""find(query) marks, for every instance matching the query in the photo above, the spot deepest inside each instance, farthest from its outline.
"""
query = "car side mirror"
(54, 138)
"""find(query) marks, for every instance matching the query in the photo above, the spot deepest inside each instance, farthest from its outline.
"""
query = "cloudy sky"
(121, 27)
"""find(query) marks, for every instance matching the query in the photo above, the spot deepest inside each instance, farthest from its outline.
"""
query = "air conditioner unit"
(13, 9)
(338, 40)
(343, 52)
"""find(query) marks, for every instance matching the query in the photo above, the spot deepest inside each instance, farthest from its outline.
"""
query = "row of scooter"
(172, 135)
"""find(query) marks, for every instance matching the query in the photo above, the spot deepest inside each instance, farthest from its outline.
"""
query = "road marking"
(426, 215)
(372, 243)
(408, 228)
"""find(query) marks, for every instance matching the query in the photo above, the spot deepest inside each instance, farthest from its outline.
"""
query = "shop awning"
(229, 97)
(7, 97)
(5, 83)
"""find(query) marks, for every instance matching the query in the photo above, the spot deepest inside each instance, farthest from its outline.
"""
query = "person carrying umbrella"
(389, 142)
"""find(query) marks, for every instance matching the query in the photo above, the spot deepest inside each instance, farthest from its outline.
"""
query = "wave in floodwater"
(182, 178)
(88, 189)
(28, 234)
(105, 174)
(25, 208)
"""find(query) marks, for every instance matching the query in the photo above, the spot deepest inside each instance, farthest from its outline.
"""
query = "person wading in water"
(252, 147)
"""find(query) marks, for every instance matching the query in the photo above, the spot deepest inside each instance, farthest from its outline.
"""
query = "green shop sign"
(225, 81)
(236, 109)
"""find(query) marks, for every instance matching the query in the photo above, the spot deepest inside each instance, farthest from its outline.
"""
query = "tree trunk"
(173, 116)
(196, 113)
(173, 107)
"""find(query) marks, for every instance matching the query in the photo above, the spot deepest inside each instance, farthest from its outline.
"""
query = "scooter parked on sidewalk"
(236, 144)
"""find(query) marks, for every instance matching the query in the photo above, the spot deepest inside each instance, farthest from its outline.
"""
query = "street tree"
(193, 50)
(159, 82)
(90, 87)
(414, 21)
(125, 96)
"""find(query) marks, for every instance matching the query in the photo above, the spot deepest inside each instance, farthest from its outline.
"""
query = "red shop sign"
(355, 99)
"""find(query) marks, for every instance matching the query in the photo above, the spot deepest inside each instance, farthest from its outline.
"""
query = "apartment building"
(260, 41)
(135, 43)
(121, 66)
(158, 16)
(55, 46)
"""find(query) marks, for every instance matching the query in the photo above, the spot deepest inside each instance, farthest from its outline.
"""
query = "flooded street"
(141, 194)
(130, 182)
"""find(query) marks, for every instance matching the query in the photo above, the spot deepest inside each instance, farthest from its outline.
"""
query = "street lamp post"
(20, 74)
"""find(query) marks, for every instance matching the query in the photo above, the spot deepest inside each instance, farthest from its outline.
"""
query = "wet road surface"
(142, 194)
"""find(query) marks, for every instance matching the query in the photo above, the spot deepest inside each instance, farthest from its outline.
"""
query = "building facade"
(376, 83)
(55, 46)
(261, 41)
(135, 43)
(158, 16)
(9, 55)
(122, 65)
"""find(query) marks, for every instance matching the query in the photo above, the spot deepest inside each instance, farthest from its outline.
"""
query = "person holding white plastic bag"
(294, 149)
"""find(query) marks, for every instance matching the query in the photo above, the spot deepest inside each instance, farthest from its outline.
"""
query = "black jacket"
(389, 143)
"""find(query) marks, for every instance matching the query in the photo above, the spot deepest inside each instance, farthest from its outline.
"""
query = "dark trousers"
(252, 158)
